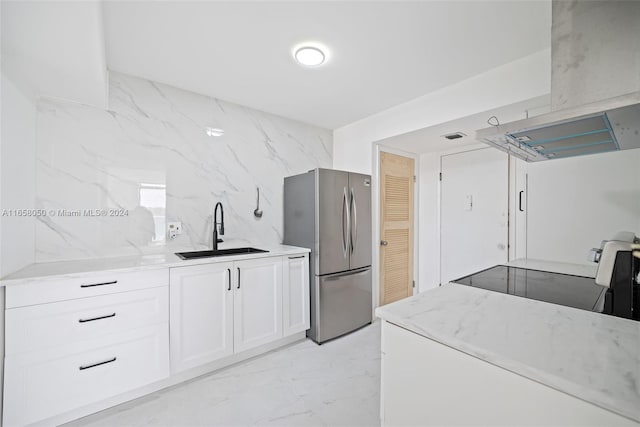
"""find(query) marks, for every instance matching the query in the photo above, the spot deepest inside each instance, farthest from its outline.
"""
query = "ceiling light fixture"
(309, 56)
(214, 131)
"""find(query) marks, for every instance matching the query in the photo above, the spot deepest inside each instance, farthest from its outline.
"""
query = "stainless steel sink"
(219, 252)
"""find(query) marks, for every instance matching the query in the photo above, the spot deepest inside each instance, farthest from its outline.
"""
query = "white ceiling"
(55, 49)
(381, 53)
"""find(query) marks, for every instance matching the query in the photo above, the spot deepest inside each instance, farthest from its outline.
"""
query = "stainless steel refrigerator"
(329, 211)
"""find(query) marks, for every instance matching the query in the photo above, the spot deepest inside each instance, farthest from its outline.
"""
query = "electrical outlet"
(173, 229)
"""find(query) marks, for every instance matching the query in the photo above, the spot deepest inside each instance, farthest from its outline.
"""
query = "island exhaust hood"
(595, 97)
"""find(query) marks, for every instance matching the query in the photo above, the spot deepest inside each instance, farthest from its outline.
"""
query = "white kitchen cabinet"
(257, 302)
(222, 309)
(201, 314)
(424, 382)
(45, 383)
(72, 342)
(295, 294)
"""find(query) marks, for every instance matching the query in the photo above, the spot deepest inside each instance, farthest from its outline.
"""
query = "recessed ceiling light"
(214, 131)
(309, 56)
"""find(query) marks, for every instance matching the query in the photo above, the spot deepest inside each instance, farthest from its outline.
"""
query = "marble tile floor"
(335, 384)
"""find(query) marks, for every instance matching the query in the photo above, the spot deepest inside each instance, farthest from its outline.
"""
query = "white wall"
(520, 80)
(575, 203)
(515, 82)
(150, 156)
(17, 177)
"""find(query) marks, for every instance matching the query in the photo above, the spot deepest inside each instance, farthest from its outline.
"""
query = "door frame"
(375, 220)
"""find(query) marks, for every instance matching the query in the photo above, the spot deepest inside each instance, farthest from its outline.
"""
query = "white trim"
(375, 217)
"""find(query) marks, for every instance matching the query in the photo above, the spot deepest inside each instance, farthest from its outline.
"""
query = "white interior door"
(474, 231)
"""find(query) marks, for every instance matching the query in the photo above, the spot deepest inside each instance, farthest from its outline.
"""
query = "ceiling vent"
(456, 135)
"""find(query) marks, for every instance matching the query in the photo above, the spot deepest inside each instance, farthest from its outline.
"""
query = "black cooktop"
(563, 289)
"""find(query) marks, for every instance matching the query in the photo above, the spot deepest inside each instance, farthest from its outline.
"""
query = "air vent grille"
(456, 135)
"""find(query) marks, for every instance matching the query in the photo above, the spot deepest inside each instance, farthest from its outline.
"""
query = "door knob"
(383, 243)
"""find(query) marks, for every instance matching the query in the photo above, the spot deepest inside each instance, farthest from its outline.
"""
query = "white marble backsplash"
(149, 156)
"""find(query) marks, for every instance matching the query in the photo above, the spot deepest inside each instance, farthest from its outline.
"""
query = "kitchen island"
(457, 355)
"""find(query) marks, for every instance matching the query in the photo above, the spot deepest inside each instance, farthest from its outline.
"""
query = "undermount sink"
(219, 252)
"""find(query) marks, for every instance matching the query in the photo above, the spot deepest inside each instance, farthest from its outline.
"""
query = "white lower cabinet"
(62, 355)
(424, 383)
(295, 294)
(257, 303)
(43, 384)
(226, 308)
(201, 314)
(79, 344)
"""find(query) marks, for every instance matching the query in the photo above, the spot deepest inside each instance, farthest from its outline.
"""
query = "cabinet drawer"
(61, 323)
(39, 385)
(61, 289)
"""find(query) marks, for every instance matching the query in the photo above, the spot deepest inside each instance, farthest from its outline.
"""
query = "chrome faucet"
(215, 225)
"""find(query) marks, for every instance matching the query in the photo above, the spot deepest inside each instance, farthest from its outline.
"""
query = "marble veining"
(149, 155)
(589, 355)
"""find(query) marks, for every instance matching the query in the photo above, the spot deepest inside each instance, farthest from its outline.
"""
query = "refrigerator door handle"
(345, 233)
(354, 235)
(337, 276)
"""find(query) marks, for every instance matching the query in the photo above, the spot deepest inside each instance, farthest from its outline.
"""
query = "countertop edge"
(518, 368)
(136, 263)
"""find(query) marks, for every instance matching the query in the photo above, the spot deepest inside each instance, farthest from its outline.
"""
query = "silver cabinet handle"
(99, 284)
(354, 235)
(238, 277)
(97, 318)
(229, 273)
(383, 243)
(93, 365)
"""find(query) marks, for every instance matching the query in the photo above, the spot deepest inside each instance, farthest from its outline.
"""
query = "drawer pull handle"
(296, 257)
(229, 273)
(238, 277)
(93, 365)
(97, 318)
(99, 284)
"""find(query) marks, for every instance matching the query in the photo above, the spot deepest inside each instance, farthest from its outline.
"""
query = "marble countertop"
(588, 355)
(54, 270)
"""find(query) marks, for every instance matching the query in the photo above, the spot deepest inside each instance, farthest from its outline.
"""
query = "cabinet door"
(201, 314)
(257, 302)
(47, 382)
(295, 294)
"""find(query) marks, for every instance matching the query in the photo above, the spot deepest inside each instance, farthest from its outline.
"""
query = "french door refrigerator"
(329, 212)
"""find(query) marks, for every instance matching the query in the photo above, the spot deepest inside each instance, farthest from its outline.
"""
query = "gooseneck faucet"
(215, 225)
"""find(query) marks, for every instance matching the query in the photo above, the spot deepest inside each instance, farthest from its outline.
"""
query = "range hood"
(595, 86)
(599, 127)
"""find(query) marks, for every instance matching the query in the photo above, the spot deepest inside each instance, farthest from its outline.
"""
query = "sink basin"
(219, 252)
